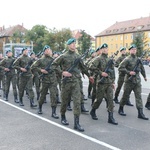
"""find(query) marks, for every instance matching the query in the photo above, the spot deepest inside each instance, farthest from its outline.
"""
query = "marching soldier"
(10, 75)
(127, 66)
(121, 76)
(22, 64)
(106, 87)
(48, 79)
(70, 87)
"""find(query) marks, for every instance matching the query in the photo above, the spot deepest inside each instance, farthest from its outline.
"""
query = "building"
(122, 33)
(6, 40)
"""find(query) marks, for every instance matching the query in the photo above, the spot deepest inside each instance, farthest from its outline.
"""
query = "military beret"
(46, 47)
(24, 49)
(122, 48)
(98, 49)
(8, 51)
(103, 46)
(32, 53)
(132, 46)
(71, 41)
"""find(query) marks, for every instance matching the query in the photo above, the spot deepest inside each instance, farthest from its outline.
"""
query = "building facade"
(122, 34)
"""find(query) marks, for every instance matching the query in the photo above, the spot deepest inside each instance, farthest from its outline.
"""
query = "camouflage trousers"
(136, 88)
(2, 82)
(36, 81)
(148, 98)
(25, 82)
(101, 91)
(11, 79)
(73, 90)
(43, 92)
(119, 85)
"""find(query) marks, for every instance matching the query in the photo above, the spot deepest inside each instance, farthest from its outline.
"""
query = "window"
(116, 38)
(132, 36)
(121, 37)
(149, 34)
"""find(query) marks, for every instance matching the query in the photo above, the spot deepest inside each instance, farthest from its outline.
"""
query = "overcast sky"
(93, 16)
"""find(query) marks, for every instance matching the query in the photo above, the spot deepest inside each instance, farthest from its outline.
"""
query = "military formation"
(60, 75)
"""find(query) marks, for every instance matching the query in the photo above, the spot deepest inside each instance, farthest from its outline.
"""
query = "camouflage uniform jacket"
(22, 62)
(42, 63)
(1, 70)
(128, 64)
(8, 63)
(99, 65)
(66, 60)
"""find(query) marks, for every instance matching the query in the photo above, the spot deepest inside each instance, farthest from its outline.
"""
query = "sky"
(93, 16)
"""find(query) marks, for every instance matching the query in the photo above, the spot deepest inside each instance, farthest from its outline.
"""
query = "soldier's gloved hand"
(66, 74)
(91, 79)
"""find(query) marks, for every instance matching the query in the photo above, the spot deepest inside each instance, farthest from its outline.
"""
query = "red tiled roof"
(129, 26)
(9, 31)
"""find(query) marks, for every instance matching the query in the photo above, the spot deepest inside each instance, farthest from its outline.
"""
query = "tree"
(140, 40)
(84, 42)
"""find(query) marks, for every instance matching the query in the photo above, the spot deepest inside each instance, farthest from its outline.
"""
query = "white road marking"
(63, 127)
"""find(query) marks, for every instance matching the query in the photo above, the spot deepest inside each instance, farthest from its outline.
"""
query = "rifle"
(10, 67)
(47, 68)
(75, 64)
(108, 66)
(27, 67)
(136, 67)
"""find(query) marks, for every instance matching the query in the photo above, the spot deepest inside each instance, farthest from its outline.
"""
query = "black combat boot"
(40, 109)
(58, 99)
(84, 97)
(93, 114)
(111, 118)
(21, 102)
(32, 103)
(116, 100)
(77, 125)
(121, 112)
(83, 109)
(6, 97)
(69, 107)
(16, 99)
(128, 103)
(141, 115)
(147, 105)
(63, 120)
(54, 115)
(45, 101)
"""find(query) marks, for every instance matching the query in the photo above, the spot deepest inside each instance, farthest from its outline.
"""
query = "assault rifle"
(10, 67)
(108, 66)
(136, 68)
(75, 64)
(27, 67)
(47, 68)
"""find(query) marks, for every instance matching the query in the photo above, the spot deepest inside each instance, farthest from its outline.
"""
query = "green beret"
(24, 49)
(8, 51)
(46, 47)
(104, 46)
(122, 48)
(98, 49)
(71, 41)
(32, 53)
(132, 46)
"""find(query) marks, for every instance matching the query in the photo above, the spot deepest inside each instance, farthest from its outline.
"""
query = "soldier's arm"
(16, 64)
(117, 62)
(143, 71)
(36, 66)
(123, 67)
(2, 64)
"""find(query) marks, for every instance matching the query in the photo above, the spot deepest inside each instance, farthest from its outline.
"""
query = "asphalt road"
(21, 128)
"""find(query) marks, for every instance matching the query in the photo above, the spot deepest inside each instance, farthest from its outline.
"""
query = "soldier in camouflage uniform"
(10, 75)
(98, 66)
(22, 64)
(2, 78)
(127, 66)
(48, 79)
(71, 86)
(121, 76)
